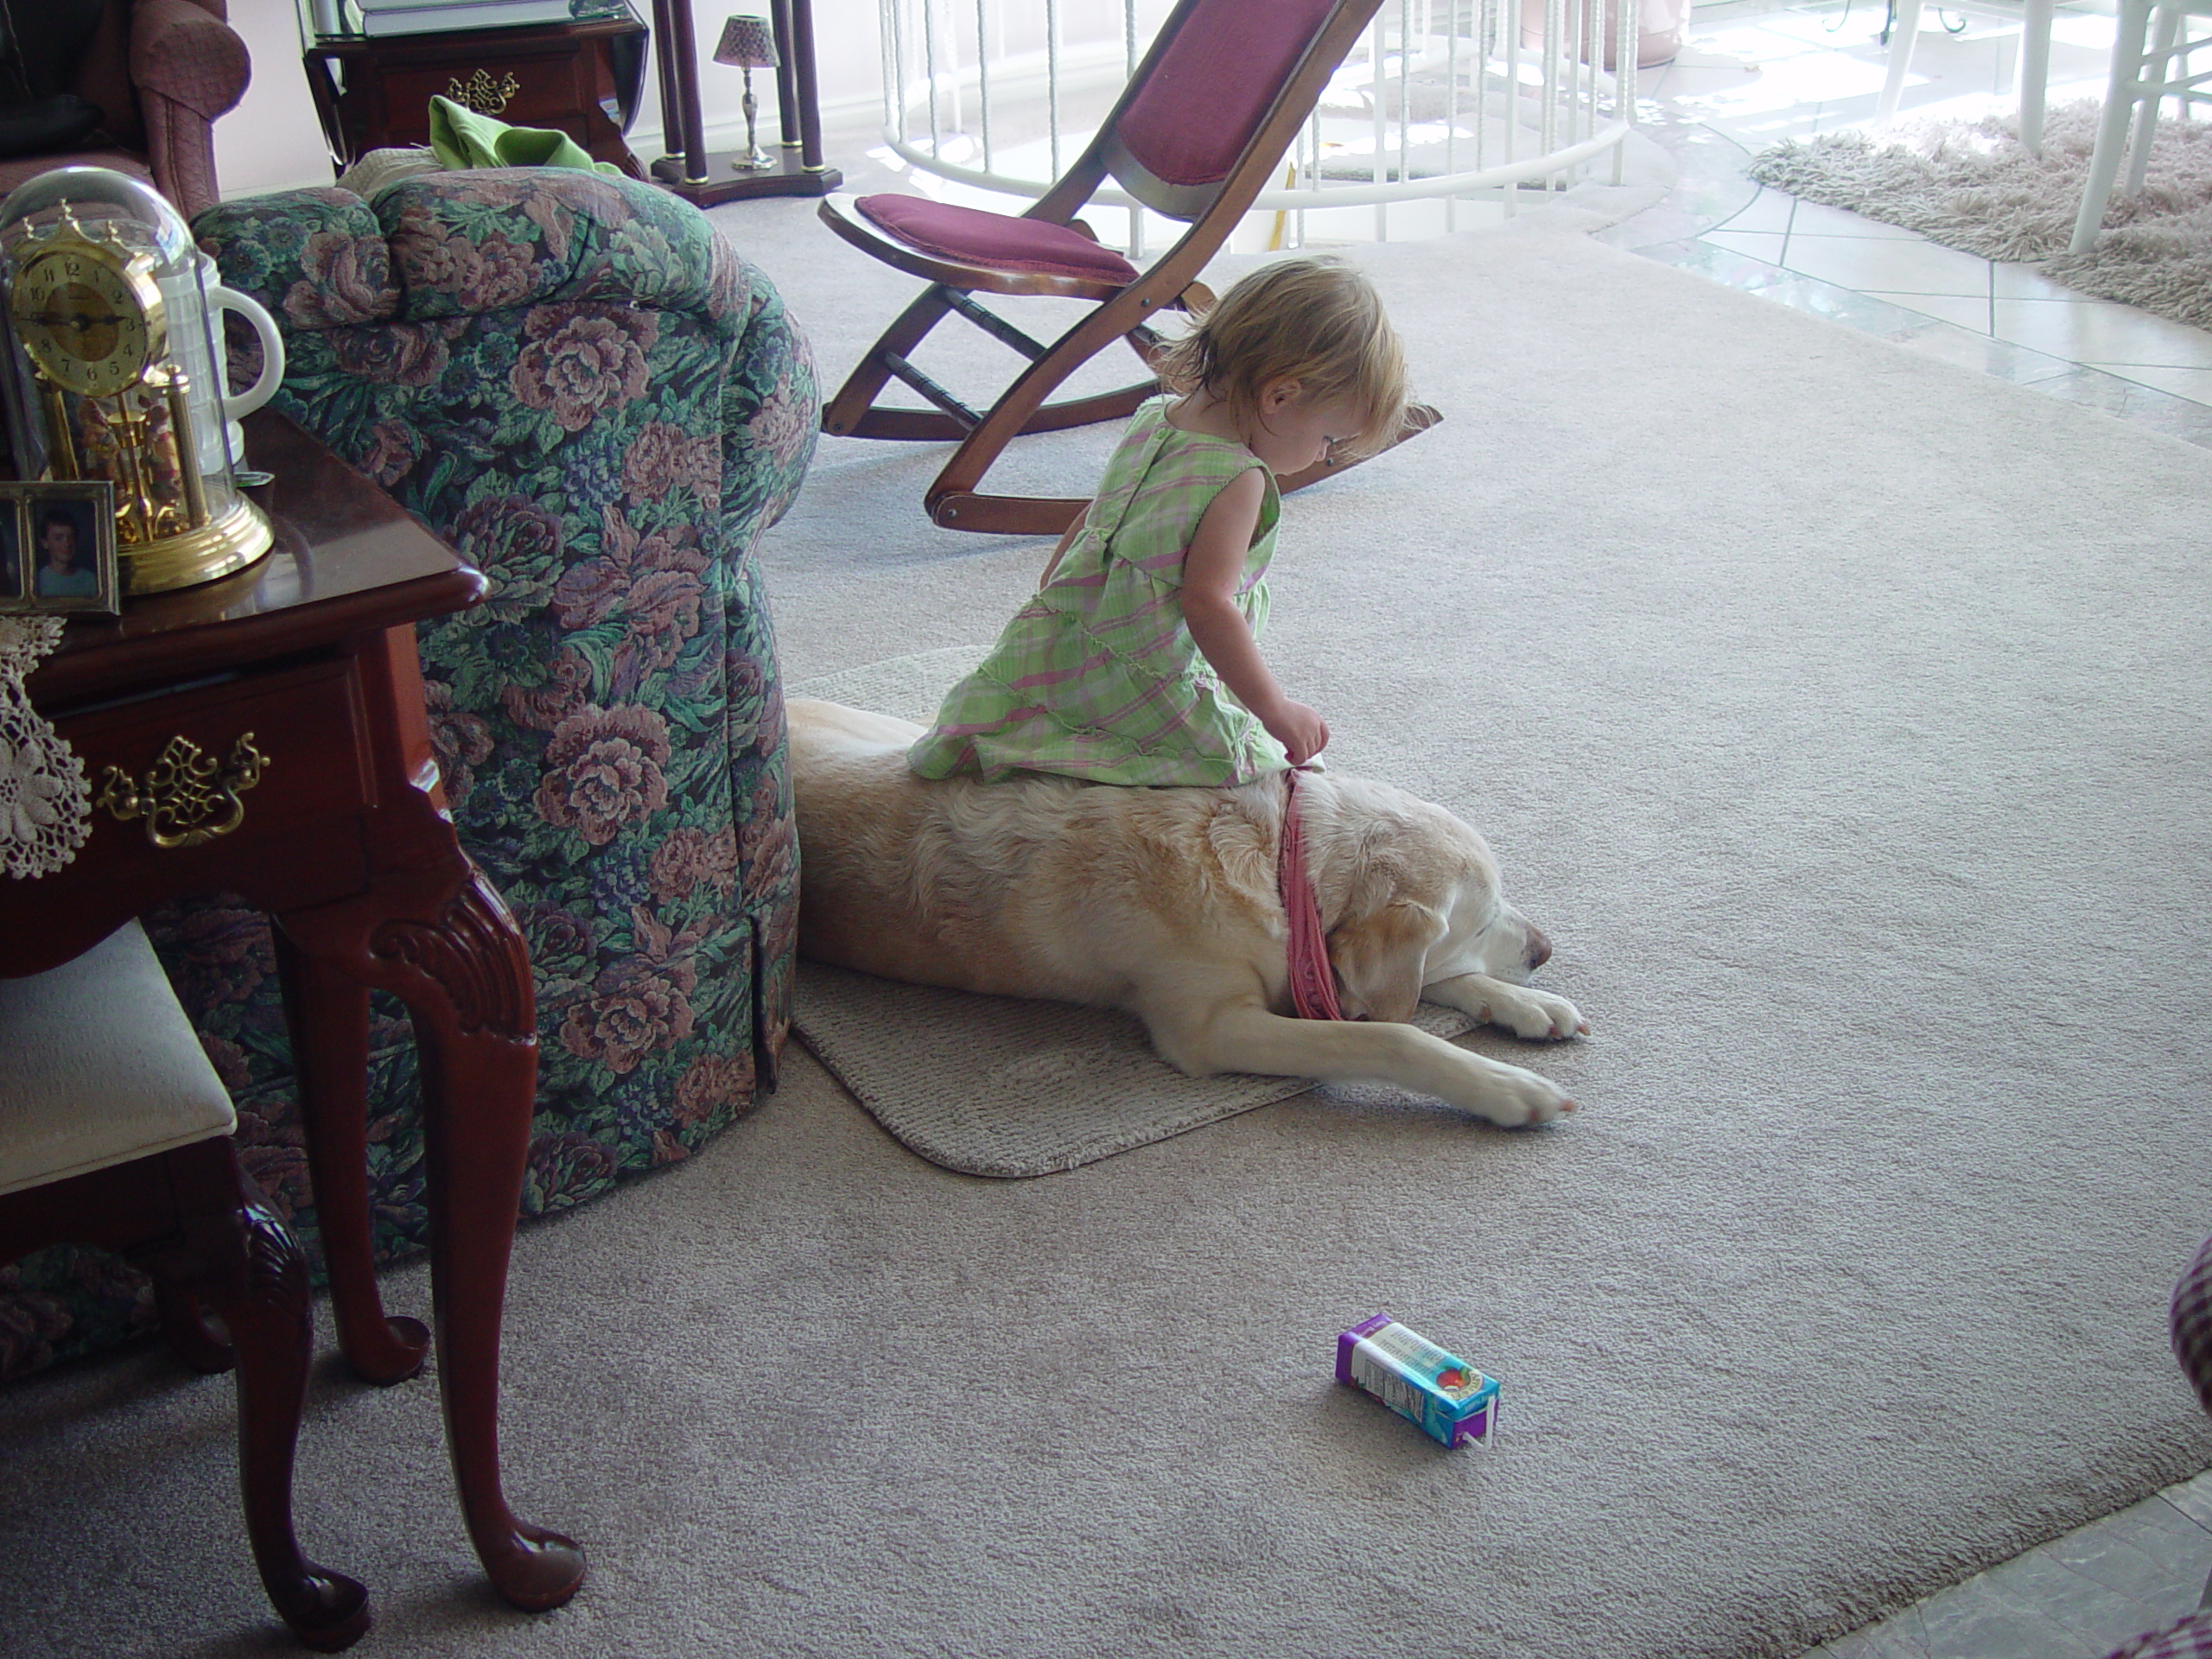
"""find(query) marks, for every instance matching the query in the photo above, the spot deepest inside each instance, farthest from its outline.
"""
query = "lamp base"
(754, 158)
(726, 181)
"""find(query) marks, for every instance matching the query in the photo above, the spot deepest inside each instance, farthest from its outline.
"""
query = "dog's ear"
(1379, 957)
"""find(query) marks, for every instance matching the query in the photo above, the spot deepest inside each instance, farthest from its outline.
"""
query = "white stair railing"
(1443, 102)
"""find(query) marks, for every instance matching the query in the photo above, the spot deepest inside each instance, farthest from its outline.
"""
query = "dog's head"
(1424, 906)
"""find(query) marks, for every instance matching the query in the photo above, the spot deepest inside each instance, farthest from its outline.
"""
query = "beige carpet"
(1841, 716)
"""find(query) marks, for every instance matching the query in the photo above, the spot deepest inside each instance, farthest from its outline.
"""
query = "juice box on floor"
(1450, 1400)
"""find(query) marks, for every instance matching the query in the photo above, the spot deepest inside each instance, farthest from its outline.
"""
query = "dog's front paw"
(1514, 1097)
(1536, 1015)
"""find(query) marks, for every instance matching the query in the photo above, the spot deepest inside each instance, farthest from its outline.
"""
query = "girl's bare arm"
(1067, 540)
(1211, 569)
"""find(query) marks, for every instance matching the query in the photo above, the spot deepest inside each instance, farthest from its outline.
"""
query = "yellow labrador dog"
(1164, 902)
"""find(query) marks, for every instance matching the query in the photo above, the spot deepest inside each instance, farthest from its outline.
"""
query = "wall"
(273, 142)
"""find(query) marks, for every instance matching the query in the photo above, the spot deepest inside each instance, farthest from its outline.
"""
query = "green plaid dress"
(1098, 677)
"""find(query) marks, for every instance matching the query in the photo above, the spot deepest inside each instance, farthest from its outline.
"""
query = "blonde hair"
(1317, 321)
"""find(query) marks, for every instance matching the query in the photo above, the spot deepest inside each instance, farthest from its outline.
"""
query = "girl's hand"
(1302, 733)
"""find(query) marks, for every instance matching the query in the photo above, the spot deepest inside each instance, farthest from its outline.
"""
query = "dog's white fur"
(1164, 902)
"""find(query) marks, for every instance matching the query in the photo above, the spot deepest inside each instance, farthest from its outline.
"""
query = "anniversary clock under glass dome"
(112, 357)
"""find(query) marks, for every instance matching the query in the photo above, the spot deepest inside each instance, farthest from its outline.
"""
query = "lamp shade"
(747, 43)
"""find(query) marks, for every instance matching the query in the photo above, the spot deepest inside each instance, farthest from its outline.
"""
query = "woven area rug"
(1972, 186)
(995, 1085)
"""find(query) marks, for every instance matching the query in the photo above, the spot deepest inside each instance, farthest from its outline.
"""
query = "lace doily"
(46, 808)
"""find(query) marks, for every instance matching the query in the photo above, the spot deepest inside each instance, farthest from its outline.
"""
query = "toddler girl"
(1137, 661)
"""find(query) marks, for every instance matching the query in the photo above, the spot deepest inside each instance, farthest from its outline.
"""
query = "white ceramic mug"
(215, 409)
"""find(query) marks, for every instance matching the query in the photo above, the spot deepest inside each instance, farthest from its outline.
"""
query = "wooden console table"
(581, 79)
(308, 661)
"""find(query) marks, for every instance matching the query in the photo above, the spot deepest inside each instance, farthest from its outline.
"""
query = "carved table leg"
(259, 1286)
(432, 932)
(328, 1013)
(466, 983)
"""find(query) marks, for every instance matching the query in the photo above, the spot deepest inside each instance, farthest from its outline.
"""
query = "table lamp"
(748, 44)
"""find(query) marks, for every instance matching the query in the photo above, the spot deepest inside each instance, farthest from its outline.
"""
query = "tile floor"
(2077, 1597)
(1757, 72)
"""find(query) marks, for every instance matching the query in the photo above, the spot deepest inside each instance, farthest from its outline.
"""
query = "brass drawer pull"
(183, 791)
(481, 93)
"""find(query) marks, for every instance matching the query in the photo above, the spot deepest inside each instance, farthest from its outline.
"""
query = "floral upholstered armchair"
(578, 385)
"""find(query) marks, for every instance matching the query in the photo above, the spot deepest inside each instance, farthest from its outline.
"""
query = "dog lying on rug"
(1164, 902)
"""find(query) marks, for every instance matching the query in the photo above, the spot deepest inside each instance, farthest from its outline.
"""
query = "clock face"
(90, 320)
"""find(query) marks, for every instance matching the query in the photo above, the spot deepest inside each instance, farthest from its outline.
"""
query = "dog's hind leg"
(1245, 1037)
(1537, 1015)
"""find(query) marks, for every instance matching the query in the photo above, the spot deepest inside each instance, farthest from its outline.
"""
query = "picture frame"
(45, 572)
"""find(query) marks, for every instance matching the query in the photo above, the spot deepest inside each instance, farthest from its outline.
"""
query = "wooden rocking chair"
(1200, 130)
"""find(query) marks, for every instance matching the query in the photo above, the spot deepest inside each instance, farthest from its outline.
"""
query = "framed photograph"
(57, 548)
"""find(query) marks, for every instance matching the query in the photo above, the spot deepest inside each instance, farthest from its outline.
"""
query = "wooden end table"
(301, 675)
(580, 79)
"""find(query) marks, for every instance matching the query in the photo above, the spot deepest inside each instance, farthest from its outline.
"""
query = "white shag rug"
(1972, 186)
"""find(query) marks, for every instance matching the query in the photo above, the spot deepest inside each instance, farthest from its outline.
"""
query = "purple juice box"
(1447, 1398)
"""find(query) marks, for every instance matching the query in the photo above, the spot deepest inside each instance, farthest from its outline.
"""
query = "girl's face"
(1294, 431)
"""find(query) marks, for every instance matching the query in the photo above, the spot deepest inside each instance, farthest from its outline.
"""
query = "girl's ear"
(1280, 393)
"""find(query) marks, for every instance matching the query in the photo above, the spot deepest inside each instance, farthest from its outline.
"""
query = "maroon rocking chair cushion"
(1192, 117)
(996, 241)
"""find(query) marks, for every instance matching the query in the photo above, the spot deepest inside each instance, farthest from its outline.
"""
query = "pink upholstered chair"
(161, 72)
(1200, 130)
(116, 1131)
(2191, 1323)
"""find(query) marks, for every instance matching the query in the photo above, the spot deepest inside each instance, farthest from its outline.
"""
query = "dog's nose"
(1540, 948)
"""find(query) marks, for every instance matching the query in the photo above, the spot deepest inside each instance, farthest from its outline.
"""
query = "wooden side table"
(286, 704)
(581, 79)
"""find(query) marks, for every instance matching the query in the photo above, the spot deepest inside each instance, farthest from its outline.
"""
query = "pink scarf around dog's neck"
(1312, 984)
